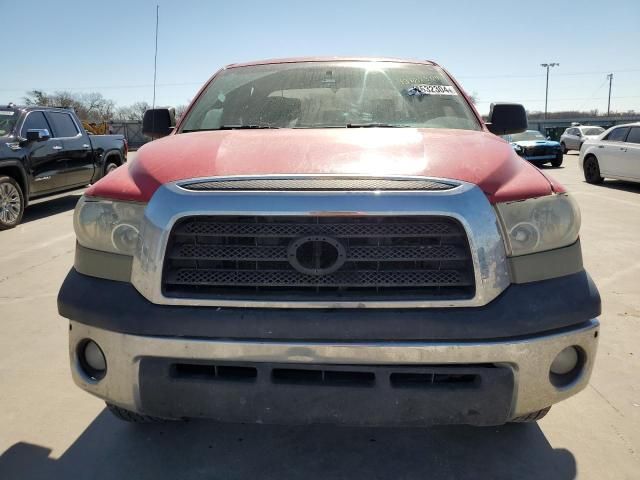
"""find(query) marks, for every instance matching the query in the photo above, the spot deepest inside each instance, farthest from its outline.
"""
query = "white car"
(575, 136)
(614, 154)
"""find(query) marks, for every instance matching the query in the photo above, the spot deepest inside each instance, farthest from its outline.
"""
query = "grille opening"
(417, 380)
(325, 377)
(213, 372)
(249, 257)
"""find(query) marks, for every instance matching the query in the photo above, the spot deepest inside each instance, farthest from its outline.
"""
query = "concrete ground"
(50, 429)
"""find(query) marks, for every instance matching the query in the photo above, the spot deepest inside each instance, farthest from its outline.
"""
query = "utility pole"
(155, 58)
(610, 77)
(546, 95)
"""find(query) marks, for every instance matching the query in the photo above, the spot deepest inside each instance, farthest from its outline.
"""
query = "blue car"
(535, 148)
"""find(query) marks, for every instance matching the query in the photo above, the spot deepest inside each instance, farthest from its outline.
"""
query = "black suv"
(46, 150)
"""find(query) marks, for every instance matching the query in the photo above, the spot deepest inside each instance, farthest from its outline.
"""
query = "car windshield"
(592, 131)
(7, 121)
(524, 136)
(331, 94)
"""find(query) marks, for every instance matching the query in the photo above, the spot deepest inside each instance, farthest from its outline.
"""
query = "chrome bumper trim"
(529, 358)
(465, 203)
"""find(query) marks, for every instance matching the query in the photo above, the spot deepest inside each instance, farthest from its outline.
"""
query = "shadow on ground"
(46, 207)
(620, 185)
(110, 449)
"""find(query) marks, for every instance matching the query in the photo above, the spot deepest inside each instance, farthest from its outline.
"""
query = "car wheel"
(110, 166)
(564, 148)
(558, 161)
(592, 170)
(11, 203)
(531, 417)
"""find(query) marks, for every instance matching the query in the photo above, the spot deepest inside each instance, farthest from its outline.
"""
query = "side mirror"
(38, 135)
(506, 118)
(158, 122)
(579, 134)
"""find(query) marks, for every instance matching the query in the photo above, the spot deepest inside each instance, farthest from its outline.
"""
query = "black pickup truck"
(46, 150)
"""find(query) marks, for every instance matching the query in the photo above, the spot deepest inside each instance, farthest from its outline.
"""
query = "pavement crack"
(606, 400)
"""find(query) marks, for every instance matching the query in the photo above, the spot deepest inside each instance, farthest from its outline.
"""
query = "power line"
(566, 99)
(538, 75)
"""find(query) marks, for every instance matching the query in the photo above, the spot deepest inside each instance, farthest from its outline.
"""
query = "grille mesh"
(258, 257)
(320, 184)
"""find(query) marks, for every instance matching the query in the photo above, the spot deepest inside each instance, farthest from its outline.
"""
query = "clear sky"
(493, 47)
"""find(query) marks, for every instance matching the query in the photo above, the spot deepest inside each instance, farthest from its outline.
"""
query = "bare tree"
(132, 112)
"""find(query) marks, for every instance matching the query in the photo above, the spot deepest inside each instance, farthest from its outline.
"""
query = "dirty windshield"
(331, 95)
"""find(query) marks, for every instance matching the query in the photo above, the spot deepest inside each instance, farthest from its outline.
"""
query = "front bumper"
(510, 377)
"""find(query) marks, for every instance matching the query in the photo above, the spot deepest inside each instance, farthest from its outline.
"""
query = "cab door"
(611, 151)
(44, 159)
(630, 156)
(78, 167)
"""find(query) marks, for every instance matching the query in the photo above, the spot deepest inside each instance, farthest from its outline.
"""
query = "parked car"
(535, 148)
(44, 151)
(330, 241)
(614, 154)
(574, 137)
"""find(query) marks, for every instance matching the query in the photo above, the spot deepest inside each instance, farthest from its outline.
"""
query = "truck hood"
(472, 156)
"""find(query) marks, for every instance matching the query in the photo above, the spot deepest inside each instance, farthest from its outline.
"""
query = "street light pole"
(546, 95)
(610, 77)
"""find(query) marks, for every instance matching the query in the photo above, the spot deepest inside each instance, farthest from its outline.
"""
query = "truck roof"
(329, 59)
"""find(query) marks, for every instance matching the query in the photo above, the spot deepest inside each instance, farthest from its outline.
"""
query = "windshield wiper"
(229, 127)
(373, 125)
(243, 127)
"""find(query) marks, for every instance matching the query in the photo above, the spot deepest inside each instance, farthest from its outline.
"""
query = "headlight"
(107, 225)
(539, 224)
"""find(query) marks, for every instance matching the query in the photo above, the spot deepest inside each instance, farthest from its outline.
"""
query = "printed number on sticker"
(431, 90)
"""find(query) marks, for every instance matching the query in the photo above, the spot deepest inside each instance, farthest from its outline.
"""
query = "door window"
(63, 124)
(617, 135)
(34, 120)
(634, 135)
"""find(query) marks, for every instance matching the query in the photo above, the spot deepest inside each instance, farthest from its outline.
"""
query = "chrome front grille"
(318, 258)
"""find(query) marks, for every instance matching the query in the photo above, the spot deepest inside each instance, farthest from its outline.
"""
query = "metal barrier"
(132, 131)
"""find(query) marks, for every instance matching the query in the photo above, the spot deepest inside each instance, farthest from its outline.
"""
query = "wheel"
(592, 170)
(531, 417)
(11, 203)
(110, 165)
(558, 161)
(564, 148)
(132, 417)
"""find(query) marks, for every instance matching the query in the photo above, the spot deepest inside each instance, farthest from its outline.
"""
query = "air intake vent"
(319, 184)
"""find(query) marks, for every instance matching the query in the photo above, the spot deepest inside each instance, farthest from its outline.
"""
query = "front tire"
(558, 161)
(132, 417)
(592, 170)
(11, 203)
(531, 417)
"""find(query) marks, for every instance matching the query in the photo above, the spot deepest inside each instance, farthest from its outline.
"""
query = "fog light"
(92, 360)
(565, 361)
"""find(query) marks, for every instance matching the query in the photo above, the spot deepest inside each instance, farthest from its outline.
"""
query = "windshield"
(331, 94)
(524, 136)
(7, 121)
(592, 131)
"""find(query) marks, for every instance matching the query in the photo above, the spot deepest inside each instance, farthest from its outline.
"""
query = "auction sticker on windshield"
(431, 90)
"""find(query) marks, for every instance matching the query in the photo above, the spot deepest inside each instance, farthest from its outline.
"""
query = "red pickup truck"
(339, 240)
